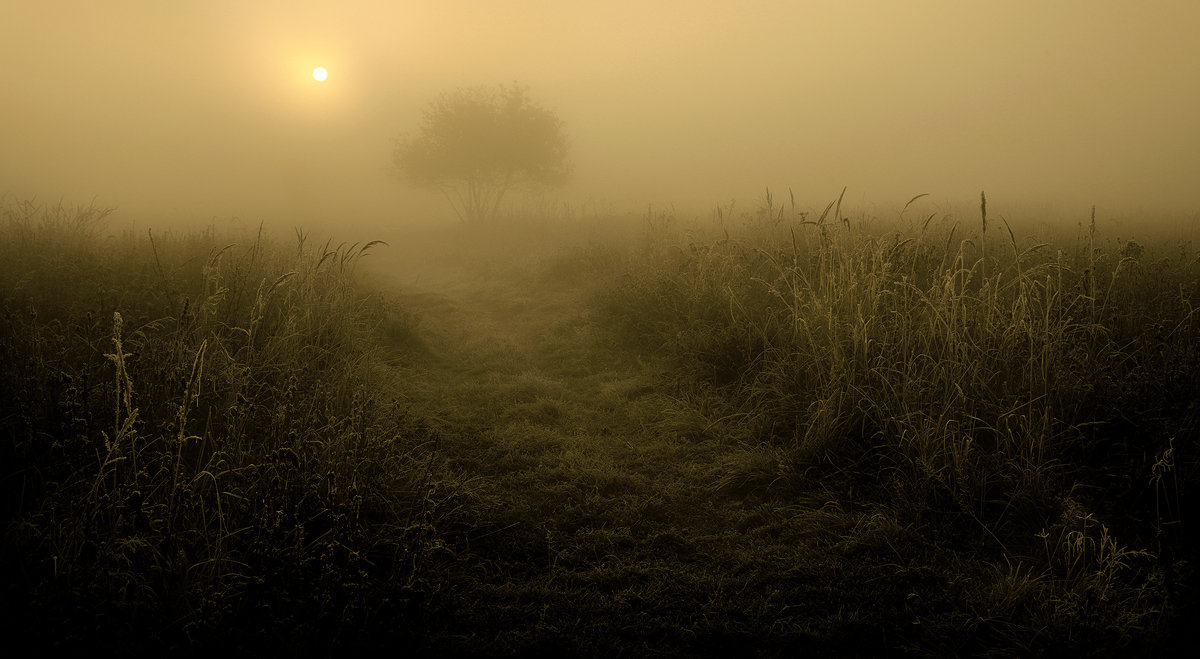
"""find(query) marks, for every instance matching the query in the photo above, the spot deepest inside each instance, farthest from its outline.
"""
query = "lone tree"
(477, 144)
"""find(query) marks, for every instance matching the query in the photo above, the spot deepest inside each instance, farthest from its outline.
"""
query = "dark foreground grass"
(195, 453)
(798, 437)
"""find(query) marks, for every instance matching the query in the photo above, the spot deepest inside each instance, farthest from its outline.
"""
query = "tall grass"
(1006, 393)
(195, 445)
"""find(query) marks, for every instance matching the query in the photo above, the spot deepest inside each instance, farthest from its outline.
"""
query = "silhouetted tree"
(477, 144)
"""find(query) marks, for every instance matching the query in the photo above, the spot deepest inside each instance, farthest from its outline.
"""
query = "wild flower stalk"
(983, 238)
(123, 388)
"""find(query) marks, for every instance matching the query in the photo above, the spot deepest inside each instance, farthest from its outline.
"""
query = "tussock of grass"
(194, 448)
(1000, 393)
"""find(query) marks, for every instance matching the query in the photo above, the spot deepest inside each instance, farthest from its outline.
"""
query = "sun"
(319, 74)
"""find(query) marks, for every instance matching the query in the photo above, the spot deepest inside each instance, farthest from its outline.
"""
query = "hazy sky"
(208, 109)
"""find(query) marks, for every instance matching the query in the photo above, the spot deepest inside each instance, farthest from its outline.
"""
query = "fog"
(194, 110)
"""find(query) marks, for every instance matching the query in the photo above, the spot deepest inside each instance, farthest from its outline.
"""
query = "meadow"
(780, 431)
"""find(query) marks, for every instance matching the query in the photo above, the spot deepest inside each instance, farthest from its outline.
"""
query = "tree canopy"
(477, 144)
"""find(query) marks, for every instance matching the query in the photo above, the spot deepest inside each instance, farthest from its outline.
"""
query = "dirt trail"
(615, 517)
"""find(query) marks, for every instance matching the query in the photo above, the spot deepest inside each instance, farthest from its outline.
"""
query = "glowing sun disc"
(319, 74)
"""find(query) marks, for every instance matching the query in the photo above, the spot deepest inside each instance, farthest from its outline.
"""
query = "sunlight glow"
(319, 74)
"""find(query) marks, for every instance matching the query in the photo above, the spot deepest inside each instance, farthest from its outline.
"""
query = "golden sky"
(205, 109)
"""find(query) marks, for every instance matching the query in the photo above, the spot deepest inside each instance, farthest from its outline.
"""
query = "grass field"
(787, 431)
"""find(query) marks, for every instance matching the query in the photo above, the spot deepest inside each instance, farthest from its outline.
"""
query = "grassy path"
(618, 524)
